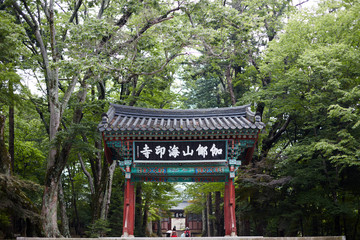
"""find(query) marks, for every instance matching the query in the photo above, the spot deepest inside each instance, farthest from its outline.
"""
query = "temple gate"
(162, 145)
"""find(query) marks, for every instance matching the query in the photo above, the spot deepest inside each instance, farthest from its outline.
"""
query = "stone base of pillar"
(126, 235)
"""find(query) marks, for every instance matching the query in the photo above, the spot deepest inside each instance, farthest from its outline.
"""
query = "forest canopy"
(62, 62)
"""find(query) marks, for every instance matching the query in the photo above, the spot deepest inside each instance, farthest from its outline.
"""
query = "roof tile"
(134, 118)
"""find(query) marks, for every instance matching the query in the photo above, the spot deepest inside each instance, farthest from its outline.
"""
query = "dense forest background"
(299, 69)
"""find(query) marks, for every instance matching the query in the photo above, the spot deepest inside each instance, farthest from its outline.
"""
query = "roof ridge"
(179, 113)
(123, 118)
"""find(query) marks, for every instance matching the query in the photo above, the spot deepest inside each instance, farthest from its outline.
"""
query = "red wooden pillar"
(229, 208)
(129, 209)
(226, 209)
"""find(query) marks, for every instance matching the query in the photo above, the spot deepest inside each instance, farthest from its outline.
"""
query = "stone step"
(192, 238)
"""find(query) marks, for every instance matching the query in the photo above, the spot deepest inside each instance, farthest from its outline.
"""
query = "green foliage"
(312, 76)
(11, 48)
(231, 36)
(11, 35)
(206, 89)
(196, 193)
(159, 196)
(4, 220)
(318, 79)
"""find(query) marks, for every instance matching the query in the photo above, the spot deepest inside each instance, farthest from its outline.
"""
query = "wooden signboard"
(180, 151)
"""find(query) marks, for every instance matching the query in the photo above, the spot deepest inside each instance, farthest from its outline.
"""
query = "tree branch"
(274, 136)
(45, 8)
(168, 60)
(35, 27)
(17, 8)
(148, 25)
(104, 5)
(68, 93)
(41, 115)
(301, 3)
(30, 13)
(73, 15)
(91, 181)
(52, 32)
(122, 21)
(127, 80)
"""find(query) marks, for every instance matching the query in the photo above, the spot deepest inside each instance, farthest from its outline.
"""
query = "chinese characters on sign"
(179, 150)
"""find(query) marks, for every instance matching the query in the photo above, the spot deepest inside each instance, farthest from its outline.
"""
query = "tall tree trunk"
(230, 85)
(159, 234)
(139, 211)
(103, 188)
(208, 214)
(108, 191)
(145, 217)
(58, 151)
(5, 160)
(204, 221)
(355, 228)
(219, 223)
(97, 198)
(63, 216)
(5, 164)
(74, 202)
(58, 155)
(102, 176)
(50, 196)
(11, 126)
(49, 206)
(12, 136)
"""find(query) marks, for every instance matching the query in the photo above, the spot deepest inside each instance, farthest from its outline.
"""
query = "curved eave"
(124, 118)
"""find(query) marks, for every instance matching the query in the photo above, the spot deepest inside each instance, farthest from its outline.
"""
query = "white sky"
(306, 3)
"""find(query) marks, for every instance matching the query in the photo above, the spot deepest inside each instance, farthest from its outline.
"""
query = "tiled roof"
(123, 118)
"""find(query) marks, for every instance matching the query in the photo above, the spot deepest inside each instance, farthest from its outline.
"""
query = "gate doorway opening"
(162, 145)
(178, 217)
(180, 220)
(179, 223)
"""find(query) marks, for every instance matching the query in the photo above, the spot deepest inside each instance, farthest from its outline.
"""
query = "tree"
(310, 103)
(17, 204)
(10, 49)
(156, 199)
(201, 197)
(79, 50)
(231, 37)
